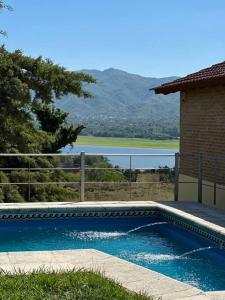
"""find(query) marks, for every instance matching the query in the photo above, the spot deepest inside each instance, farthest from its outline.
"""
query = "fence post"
(215, 182)
(176, 176)
(82, 175)
(29, 180)
(200, 178)
(130, 179)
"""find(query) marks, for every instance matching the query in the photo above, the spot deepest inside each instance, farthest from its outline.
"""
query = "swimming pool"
(148, 241)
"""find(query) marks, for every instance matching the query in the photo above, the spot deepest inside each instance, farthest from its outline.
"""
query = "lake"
(124, 162)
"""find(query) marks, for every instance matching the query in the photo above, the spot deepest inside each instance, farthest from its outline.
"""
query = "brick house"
(202, 134)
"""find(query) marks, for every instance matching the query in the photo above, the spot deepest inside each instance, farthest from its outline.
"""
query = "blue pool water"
(150, 242)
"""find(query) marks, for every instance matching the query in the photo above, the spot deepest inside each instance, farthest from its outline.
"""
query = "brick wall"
(202, 125)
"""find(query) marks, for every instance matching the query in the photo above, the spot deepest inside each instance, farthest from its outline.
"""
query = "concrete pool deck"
(131, 276)
(207, 213)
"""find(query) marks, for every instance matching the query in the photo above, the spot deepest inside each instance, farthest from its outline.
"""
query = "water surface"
(150, 242)
(124, 162)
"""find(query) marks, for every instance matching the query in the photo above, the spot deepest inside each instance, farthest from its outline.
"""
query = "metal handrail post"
(176, 176)
(130, 176)
(82, 176)
(215, 183)
(29, 179)
(200, 178)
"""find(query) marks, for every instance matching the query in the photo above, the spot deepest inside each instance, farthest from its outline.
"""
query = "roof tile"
(205, 77)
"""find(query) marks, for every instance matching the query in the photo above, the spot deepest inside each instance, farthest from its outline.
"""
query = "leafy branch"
(4, 6)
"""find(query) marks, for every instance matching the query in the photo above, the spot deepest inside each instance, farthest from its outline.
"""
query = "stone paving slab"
(208, 213)
(216, 295)
(131, 276)
(197, 214)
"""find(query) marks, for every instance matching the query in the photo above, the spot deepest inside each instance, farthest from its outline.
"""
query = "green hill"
(123, 106)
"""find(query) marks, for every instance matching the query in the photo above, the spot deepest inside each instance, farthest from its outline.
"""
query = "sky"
(154, 38)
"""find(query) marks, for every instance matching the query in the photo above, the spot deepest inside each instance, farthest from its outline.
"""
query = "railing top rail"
(130, 154)
(38, 154)
(86, 153)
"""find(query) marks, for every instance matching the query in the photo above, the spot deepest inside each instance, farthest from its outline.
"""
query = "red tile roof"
(211, 76)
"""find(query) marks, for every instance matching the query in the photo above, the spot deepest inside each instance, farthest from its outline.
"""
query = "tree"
(2, 7)
(29, 121)
(28, 89)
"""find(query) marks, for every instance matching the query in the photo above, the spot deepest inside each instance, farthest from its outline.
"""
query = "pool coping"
(216, 295)
(131, 276)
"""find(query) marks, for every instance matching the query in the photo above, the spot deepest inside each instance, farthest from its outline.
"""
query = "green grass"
(80, 285)
(127, 142)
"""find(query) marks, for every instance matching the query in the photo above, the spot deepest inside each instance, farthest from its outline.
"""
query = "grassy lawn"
(127, 142)
(70, 285)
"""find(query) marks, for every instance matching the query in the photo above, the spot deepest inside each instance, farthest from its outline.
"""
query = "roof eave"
(189, 85)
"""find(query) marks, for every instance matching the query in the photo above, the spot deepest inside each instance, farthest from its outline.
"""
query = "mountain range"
(123, 105)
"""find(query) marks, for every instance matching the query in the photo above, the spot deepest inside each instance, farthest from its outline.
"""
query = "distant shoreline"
(127, 142)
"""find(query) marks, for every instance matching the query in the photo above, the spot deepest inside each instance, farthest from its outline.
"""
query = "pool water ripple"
(93, 235)
(151, 257)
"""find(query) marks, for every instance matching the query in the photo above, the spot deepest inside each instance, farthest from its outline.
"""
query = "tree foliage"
(3, 6)
(28, 88)
(29, 121)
